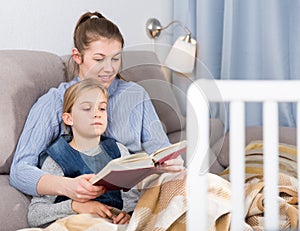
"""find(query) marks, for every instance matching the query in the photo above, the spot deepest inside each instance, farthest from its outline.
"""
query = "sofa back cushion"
(24, 76)
(144, 68)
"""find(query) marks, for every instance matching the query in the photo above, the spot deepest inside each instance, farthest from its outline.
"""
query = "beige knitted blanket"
(162, 206)
(254, 189)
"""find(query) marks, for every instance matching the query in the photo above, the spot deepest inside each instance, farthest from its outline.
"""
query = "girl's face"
(88, 118)
(102, 60)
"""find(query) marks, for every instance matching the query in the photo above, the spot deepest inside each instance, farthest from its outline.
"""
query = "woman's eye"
(116, 58)
(99, 60)
(102, 108)
(86, 108)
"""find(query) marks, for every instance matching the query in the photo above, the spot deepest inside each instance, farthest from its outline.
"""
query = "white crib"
(236, 93)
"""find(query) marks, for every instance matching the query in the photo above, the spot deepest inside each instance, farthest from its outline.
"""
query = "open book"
(126, 172)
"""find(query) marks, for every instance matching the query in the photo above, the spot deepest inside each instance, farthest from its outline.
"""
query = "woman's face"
(102, 60)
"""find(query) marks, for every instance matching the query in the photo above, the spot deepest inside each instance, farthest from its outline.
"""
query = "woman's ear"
(67, 118)
(76, 56)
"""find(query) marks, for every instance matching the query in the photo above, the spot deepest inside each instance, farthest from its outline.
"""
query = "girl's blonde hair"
(74, 91)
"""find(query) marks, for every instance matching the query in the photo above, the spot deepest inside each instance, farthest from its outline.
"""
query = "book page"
(133, 161)
(169, 152)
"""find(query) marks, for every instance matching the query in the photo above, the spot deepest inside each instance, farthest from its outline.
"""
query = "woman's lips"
(105, 78)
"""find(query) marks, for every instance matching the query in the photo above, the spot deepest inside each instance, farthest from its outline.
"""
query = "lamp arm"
(176, 21)
(153, 29)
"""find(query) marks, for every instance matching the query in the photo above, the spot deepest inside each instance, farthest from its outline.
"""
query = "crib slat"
(237, 163)
(197, 159)
(270, 135)
(298, 150)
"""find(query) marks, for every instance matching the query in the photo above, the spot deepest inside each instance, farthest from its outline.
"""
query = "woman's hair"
(74, 91)
(92, 26)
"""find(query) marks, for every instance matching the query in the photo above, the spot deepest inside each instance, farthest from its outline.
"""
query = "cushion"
(287, 135)
(144, 68)
(24, 77)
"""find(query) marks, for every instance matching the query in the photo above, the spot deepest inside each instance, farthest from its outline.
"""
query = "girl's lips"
(97, 124)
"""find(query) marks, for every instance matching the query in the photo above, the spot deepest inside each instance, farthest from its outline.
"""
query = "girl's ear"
(67, 118)
(76, 56)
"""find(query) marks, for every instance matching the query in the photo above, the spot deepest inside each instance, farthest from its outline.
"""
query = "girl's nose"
(97, 113)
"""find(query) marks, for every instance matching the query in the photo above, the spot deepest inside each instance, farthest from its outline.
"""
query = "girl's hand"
(122, 218)
(173, 165)
(92, 207)
(81, 190)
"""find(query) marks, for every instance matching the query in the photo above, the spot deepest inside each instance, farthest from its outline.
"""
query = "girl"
(85, 118)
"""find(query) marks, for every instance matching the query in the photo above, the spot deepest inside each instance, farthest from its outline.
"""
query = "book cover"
(125, 172)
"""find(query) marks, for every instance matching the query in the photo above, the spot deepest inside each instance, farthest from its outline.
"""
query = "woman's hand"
(173, 165)
(78, 189)
(81, 190)
(92, 207)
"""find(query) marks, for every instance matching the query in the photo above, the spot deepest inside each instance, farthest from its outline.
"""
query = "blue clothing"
(132, 121)
(73, 165)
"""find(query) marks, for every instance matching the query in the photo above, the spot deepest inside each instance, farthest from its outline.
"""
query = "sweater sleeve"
(42, 210)
(43, 125)
(153, 135)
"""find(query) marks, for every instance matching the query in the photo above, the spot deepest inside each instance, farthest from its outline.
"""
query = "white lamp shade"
(181, 57)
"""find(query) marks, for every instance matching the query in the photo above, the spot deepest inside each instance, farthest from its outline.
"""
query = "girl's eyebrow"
(83, 102)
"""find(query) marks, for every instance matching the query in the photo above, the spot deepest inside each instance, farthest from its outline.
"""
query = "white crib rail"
(237, 93)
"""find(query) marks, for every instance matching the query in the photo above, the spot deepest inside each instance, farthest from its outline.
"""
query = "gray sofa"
(26, 75)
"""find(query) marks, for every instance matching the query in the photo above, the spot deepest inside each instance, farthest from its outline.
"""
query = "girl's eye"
(115, 59)
(86, 108)
(99, 60)
(102, 106)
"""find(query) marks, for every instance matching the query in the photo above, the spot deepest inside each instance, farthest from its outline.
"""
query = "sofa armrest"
(14, 206)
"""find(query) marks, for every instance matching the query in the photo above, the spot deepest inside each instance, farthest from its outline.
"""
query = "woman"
(132, 119)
